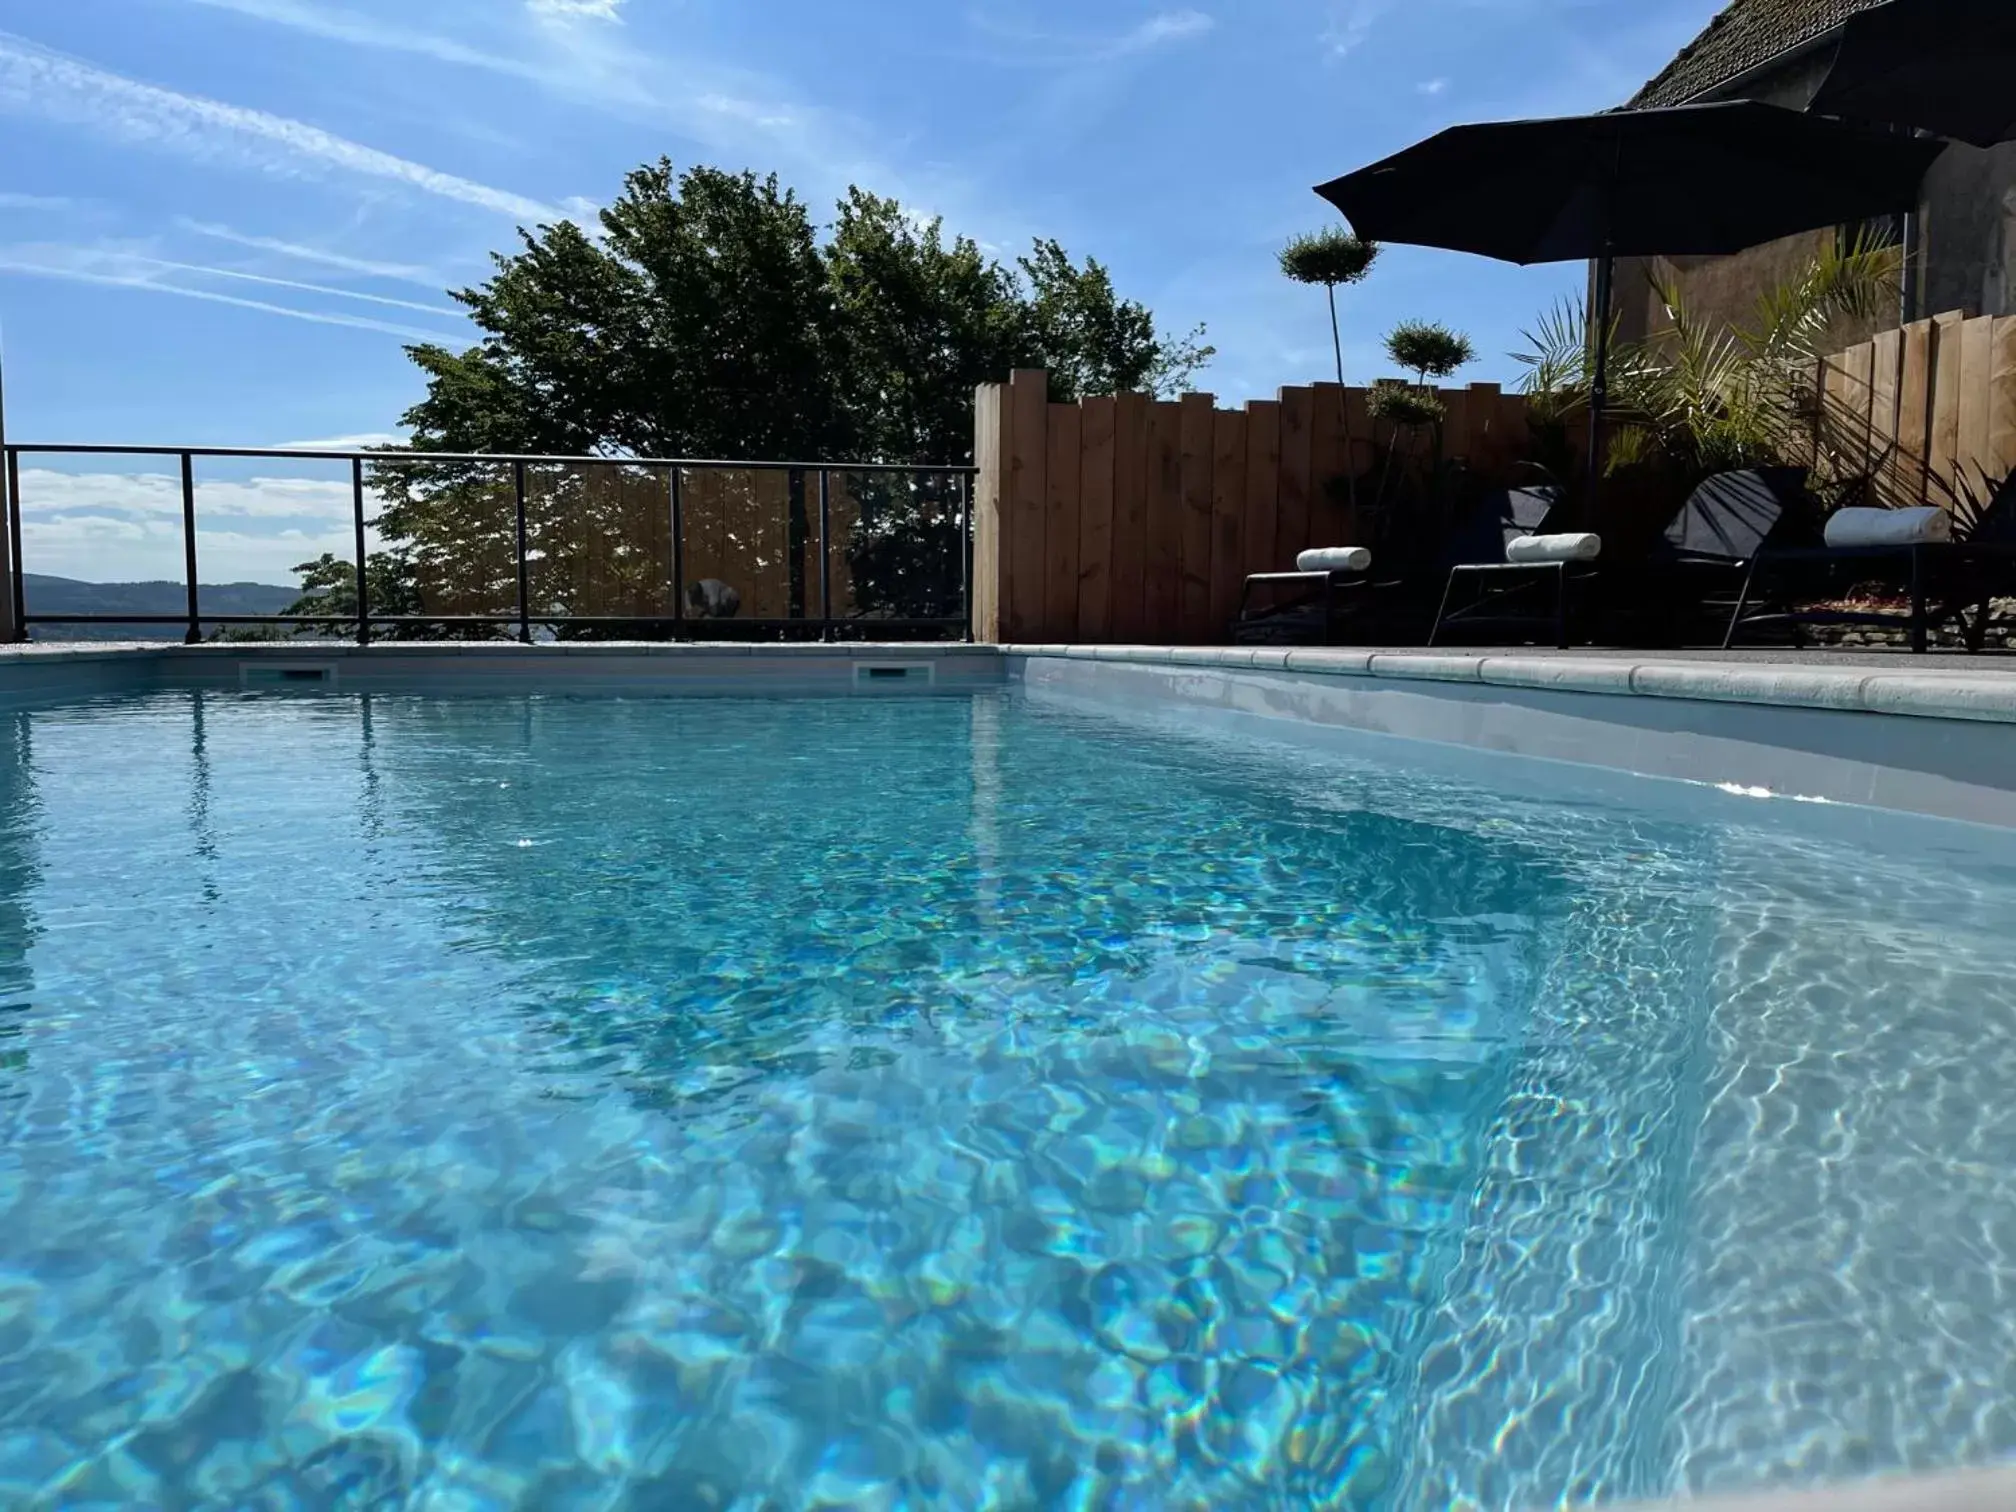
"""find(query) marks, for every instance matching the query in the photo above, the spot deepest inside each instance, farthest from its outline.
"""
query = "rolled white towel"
(1889, 527)
(1334, 559)
(1529, 550)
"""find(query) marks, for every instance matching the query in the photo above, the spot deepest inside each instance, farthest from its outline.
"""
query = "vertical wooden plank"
(1885, 374)
(1455, 422)
(1028, 464)
(1193, 551)
(1263, 486)
(1130, 516)
(1291, 514)
(1228, 522)
(1163, 561)
(1098, 418)
(1330, 463)
(1798, 446)
(1974, 463)
(2002, 402)
(1942, 446)
(991, 542)
(1844, 414)
(1484, 440)
(1473, 431)
(1359, 460)
(1914, 415)
(1060, 526)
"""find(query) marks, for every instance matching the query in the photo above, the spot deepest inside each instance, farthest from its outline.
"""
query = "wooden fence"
(1927, 414)
(1125, 519)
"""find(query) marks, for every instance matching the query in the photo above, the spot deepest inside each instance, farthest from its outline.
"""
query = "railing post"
(678, 554)
(363, 583)
(524, 572)
(195, 634)
(825, 557)
(18, 585)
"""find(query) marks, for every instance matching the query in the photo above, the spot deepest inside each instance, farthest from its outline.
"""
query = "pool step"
(1546, 1370)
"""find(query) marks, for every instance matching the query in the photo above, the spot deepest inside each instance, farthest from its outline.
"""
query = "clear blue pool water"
(489, 1102)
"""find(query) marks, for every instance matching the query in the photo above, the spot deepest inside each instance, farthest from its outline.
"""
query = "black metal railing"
(630, 547)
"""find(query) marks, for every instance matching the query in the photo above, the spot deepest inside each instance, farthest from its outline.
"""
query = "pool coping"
(1987, 696)
(1989, 1490)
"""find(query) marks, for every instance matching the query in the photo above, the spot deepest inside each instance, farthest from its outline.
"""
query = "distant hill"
(57, 595)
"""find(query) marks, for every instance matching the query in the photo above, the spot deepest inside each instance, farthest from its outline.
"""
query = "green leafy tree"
(329, 587)
(710, 320)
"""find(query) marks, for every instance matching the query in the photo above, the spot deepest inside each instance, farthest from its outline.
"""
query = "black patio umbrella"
(1693, 180)
(1943, 66)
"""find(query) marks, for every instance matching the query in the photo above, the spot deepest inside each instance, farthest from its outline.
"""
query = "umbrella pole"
(1599, 384)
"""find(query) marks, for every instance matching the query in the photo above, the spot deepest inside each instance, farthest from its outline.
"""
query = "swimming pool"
(546, 1102)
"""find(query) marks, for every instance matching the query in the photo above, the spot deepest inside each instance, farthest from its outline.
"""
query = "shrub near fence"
(1131, 520)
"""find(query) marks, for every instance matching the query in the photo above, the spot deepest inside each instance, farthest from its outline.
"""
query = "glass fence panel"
(102, 536)
(446, 537)
(275, 536)
(895, 547)
(601, 540)
(749, 545)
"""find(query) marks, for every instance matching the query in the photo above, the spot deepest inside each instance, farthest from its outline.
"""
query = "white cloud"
(574, 63)
(1171, 26)
(736, 114)
(205, 271)
(131, 271)
(366, 267)
(12, 201)
(1048, 49)
(577, 10)
(99, 549)
(49, 493)
(1432, 87)
(49, 85)
(358, 441)
(1351, 22)
(108, 527)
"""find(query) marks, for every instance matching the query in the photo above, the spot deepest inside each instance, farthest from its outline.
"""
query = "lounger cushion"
(1532, 550)
(1889, 527)
(1334, 559)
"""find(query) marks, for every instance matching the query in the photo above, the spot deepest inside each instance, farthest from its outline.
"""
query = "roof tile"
(1741, 37)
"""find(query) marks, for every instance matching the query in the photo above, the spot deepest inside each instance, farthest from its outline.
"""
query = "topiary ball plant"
(1407, 408)
(1329, 258)
(1428, 349)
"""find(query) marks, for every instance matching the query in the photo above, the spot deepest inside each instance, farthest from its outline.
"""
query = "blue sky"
(221, 219)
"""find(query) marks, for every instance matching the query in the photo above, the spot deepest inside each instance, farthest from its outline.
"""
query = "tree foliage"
(1700, 396)
(1408, 408)
(710, 319)
(1429, 349)
(1330, 257)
